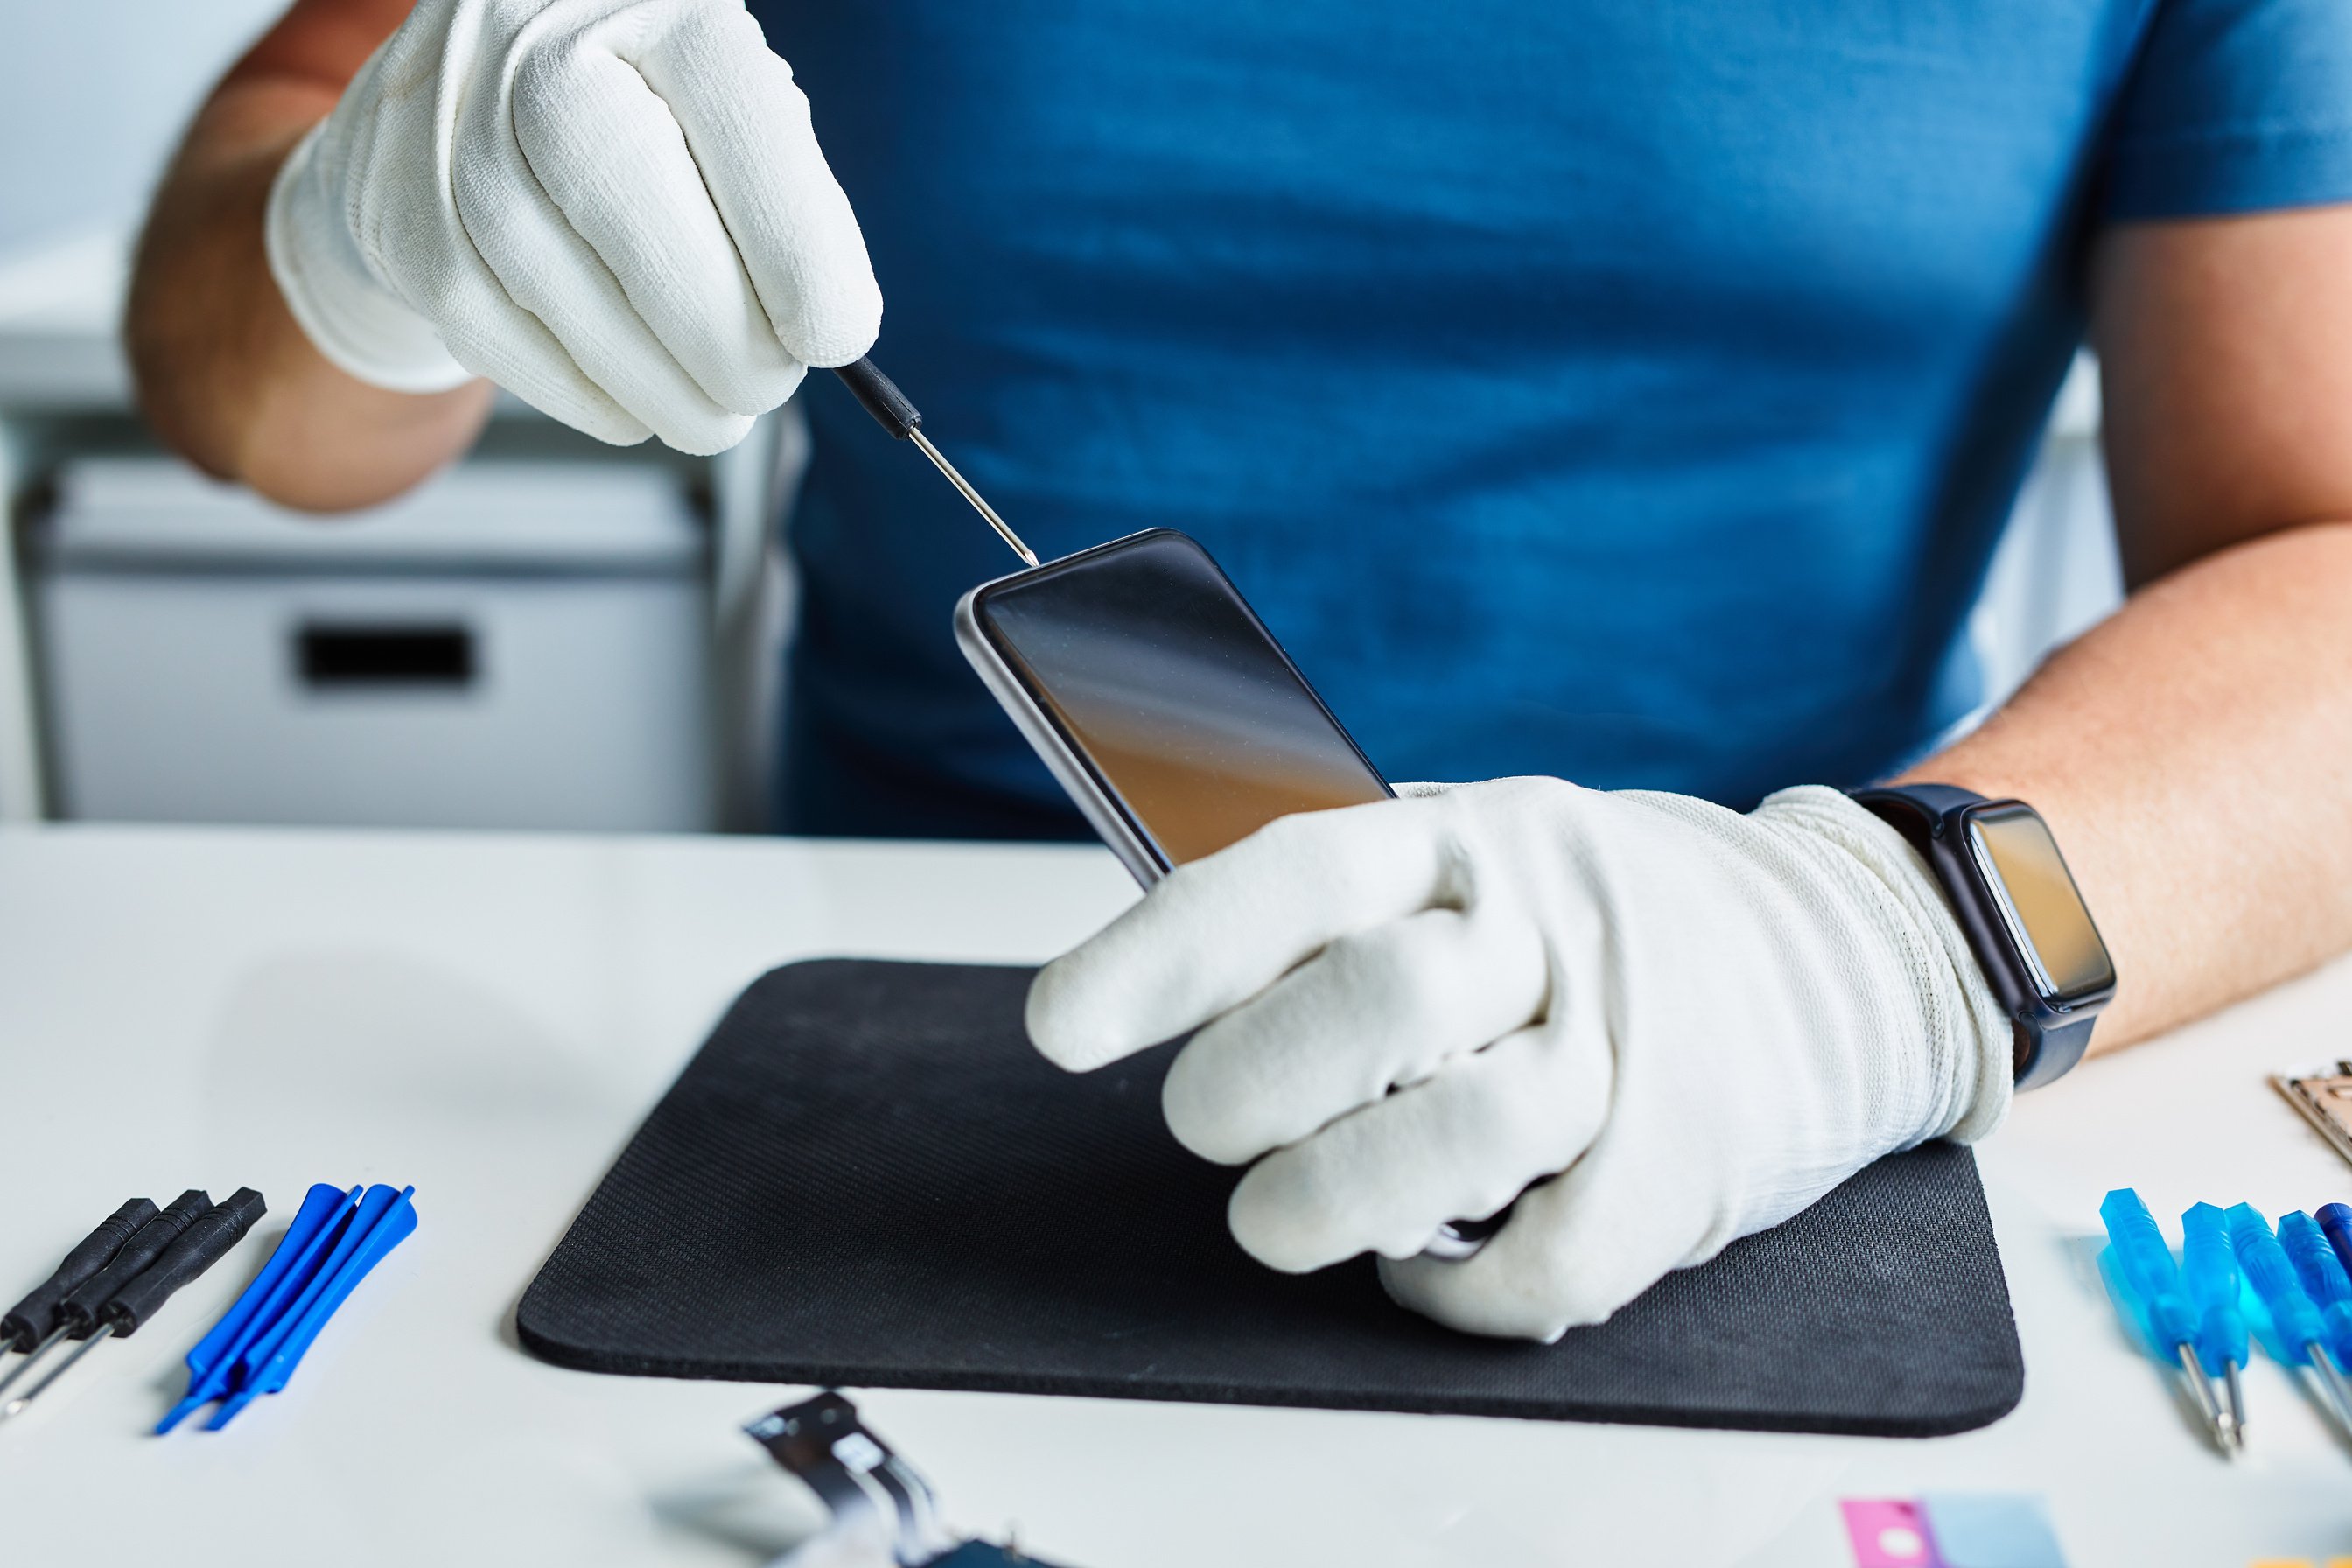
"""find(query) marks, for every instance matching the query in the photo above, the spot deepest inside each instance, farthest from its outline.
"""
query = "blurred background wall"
(93, 94)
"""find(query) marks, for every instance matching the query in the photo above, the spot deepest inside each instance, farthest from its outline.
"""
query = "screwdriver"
(2302, 1334)
(2145, 1263)
(880, 396)
(78, 1309)
(2336, 1219)
(201, 1244)
(2323, 1279)
(33, 1317)
(2211, 1271)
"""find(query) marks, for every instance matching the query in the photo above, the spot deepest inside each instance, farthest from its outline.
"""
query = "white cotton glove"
(1410, 1011)
(613, 209)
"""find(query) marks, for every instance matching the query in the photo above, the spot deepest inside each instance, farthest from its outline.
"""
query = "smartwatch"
(2025, 919)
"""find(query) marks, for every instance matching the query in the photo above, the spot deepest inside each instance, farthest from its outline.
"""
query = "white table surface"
(488, 1017)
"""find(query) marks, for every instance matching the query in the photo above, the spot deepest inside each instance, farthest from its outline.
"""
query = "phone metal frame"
(1092, 793)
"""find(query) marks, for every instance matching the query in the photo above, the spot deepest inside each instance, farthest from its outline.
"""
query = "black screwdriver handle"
(880, 396)
(79, 1310)
(29, 1319)
(200, 1246)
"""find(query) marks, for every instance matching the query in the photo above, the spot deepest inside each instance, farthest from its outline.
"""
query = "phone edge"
(1101, 812)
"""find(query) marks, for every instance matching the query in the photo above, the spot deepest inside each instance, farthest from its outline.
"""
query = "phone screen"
(1165, 684)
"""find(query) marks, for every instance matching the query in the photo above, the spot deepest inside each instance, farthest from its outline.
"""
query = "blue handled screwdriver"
(2209, 1269)
(2336, 1219)
(2147, 1265)
(2316, 1264)
(2302, 1335)
(2323, 1279)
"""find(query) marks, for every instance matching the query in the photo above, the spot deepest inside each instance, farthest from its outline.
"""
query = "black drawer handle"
(334, 656)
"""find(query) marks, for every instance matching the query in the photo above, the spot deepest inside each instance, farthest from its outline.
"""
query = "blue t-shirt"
(1627, 390)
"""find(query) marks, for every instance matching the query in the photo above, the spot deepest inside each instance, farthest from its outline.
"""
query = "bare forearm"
(224, 373)
(2194, 756)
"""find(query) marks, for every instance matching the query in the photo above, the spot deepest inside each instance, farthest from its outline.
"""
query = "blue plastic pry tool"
(384, 1219)
(289, 1268)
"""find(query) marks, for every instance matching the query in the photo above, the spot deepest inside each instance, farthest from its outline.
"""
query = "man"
(1623, 391)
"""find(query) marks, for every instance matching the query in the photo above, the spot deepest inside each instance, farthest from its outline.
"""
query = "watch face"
(2040, 903)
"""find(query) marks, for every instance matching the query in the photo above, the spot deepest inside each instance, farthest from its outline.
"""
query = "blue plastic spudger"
(382, 1221)
(341, 1242)
(212, 1361)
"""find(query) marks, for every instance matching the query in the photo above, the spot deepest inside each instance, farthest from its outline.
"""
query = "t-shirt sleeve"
(2235, 106)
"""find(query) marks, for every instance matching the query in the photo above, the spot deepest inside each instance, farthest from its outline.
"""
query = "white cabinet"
(515, 644)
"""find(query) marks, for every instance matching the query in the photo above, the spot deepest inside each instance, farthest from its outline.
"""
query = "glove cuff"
(1974, 1040)
(361, 327)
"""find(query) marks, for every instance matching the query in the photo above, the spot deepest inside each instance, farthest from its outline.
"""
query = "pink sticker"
(1889, 1532)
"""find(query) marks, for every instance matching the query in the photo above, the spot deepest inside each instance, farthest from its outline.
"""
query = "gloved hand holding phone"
(1698, 1021)
(615, 209)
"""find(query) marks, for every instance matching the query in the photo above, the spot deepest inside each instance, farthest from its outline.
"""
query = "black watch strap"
(1917, 811)
(2057, 1048)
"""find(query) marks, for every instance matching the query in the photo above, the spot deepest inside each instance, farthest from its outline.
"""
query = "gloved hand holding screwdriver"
(618, 211)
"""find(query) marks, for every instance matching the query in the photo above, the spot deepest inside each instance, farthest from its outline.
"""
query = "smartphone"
(1167, 710)
(1158, 699)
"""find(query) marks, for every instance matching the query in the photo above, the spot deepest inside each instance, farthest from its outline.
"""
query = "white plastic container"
(515, 644)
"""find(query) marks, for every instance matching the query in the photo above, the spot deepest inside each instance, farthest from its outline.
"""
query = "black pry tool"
(76, 1311)
(880, 396)
(199, 1245)
(34, 1316)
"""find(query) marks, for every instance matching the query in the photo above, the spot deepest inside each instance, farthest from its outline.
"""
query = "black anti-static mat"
(868, 1178)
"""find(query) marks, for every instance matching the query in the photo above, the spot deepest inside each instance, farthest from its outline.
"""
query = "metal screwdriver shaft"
(48, 1342)
(938, 461)
(880, 396)
(16, 1405)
